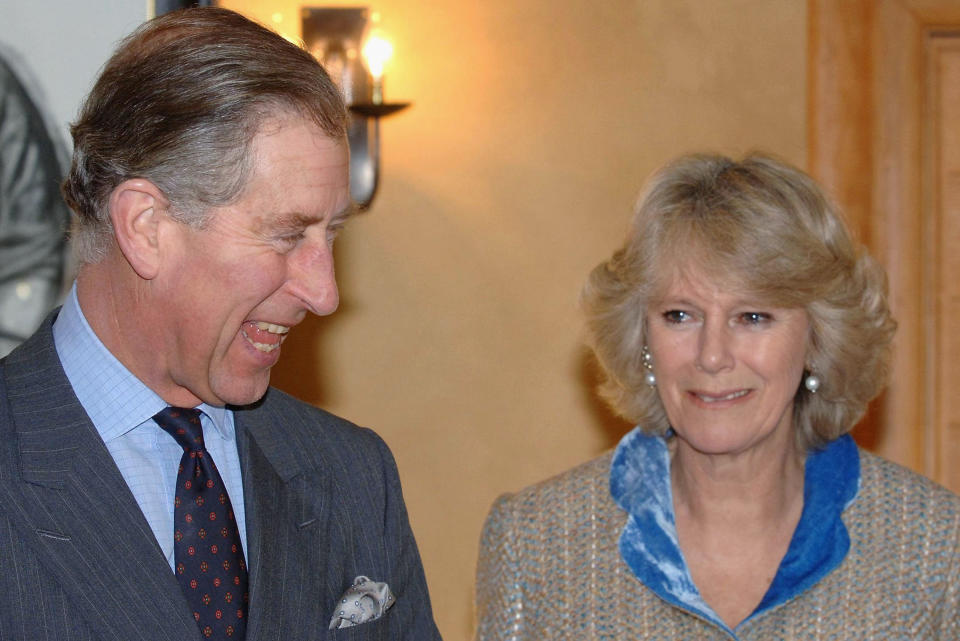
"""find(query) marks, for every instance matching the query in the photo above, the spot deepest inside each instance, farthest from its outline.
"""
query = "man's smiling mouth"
(265, 337)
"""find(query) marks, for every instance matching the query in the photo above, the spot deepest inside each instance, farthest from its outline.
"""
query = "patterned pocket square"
(363, 601)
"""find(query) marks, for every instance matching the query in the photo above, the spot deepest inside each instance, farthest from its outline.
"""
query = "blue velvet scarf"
(640, 484)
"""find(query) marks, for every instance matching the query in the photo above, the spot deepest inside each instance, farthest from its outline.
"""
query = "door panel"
(883, 106)
(943, 67)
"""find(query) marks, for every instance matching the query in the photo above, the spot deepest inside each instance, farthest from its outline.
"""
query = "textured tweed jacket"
(550, 568)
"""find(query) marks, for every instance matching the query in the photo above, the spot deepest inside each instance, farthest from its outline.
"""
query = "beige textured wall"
(534, 124)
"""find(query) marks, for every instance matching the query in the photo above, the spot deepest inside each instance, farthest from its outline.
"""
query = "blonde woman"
(744, 332)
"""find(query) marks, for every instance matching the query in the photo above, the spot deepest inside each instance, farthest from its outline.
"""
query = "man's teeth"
(273, 329)
(266, 328)
(717, 399)
(263, 347)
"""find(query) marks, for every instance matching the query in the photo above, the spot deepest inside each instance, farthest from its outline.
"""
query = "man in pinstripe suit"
(209, 179)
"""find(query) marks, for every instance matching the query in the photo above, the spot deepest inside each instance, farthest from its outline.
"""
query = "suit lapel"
(72, 505)
(288, 529)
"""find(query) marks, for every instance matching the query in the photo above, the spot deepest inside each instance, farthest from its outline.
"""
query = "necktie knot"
(183, 424)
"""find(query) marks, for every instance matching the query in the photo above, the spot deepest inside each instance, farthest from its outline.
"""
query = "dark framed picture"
(165, 6)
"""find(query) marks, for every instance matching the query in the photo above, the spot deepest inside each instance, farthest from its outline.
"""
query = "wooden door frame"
(866, 146)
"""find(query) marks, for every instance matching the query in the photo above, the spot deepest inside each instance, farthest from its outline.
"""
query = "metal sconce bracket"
(334, 35)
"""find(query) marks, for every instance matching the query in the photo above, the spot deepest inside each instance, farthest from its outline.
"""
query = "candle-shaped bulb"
(376, 52)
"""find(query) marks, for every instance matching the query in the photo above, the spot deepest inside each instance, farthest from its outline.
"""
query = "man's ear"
(136, 209)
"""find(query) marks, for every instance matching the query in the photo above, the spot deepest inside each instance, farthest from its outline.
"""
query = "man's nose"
(311, 277)
(715, 353)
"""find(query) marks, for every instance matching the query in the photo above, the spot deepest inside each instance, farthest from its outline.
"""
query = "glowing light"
(377, 51)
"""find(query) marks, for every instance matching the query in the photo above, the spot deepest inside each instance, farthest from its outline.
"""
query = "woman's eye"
(754, 318)
(676, 316)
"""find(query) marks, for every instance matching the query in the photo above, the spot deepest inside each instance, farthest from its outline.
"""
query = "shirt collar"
(115, 400)
(640, 484)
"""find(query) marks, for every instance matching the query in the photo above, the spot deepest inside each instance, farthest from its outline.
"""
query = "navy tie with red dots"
(208, 555)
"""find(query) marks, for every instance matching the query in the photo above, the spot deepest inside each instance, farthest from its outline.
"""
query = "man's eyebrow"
(294, 220)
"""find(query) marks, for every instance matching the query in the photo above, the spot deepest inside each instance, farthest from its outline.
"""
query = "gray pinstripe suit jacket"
(78, 560)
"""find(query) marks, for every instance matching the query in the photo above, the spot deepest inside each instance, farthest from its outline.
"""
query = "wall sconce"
(354, 54)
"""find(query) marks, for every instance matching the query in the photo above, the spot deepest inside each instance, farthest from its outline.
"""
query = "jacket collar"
(287, 498)
(65, 497)
(640, 484)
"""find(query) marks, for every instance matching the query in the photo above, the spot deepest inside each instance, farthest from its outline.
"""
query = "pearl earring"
(812, 383)
(649, 378)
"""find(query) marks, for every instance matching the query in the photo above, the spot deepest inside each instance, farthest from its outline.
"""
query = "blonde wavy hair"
(766, 229)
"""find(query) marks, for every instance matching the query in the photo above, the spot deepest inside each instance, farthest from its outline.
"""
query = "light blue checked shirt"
(121, 408)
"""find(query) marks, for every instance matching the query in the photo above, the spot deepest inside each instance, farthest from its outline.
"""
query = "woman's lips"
(708, 398)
